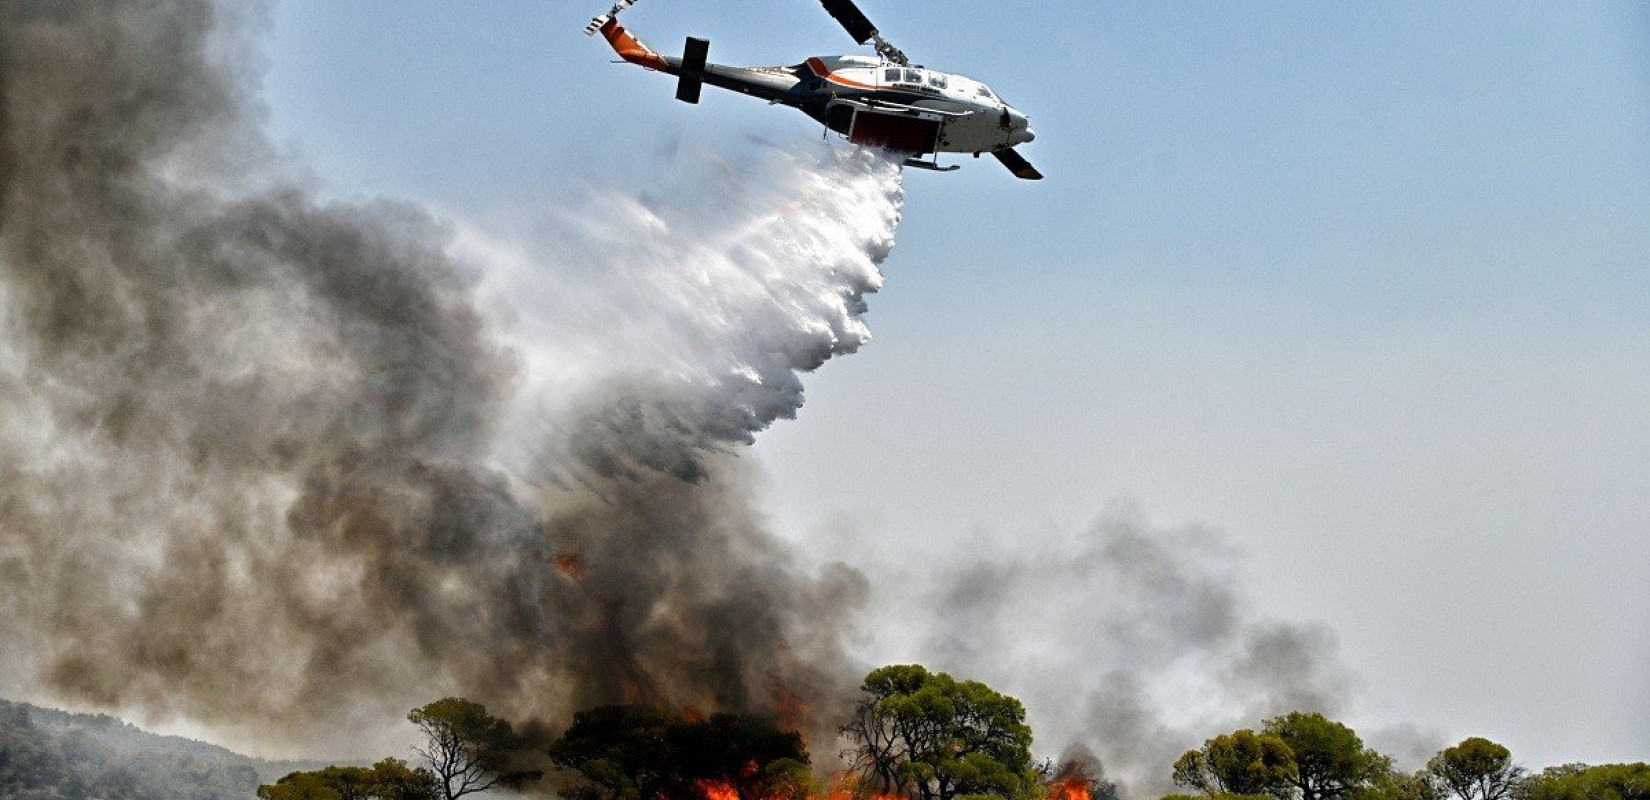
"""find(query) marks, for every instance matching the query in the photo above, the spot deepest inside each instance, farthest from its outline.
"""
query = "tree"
(644, 753)
(1477, 769)
(300, 786)
(1241, 762)
(931, 737)
(619, 752)
(468, 749)
(1217, 796)
(1582, 782)
(390, 779)
(745, 753)
(29, 763)
(1330, 759)
(791, 779)
(1400, 786)
(393, 779)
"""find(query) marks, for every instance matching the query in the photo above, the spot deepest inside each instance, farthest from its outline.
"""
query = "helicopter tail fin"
(629, 47)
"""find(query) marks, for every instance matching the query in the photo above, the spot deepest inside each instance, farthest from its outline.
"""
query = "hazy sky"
(1364, 286)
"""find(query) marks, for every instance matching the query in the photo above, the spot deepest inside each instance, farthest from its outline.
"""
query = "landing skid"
(929, 165)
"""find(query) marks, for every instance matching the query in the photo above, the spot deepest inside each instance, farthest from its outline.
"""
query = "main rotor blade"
(1017, 164)
(859, 26)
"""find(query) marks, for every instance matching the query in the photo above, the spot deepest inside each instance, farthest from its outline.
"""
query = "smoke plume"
(1131, 643)
(287, 467)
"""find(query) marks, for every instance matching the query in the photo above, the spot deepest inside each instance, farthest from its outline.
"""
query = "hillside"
(46, 754)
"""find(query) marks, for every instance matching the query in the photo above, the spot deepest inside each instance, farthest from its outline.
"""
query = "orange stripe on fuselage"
(819, 69)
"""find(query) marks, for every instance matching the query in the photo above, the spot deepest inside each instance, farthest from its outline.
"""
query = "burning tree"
(928, 736)
(644, 753)
(1081, 778)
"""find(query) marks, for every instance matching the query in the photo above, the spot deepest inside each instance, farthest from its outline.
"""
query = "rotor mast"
(888, 51)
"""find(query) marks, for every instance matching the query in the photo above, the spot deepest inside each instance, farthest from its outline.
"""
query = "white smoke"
(720, 283)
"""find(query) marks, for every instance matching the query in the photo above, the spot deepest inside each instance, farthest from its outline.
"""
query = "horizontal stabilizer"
(693, 69)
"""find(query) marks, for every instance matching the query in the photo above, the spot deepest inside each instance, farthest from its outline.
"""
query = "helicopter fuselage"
(905, 108)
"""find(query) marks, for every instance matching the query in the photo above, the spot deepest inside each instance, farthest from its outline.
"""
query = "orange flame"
(1068, 789)
(791, 709)
(718, 790)
(846, 786)
(568, 564)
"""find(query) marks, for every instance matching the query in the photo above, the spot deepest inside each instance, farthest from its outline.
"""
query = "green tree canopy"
(1477, 769)
(1400, 786)
(468, 749)
(1241, 762)
(390, 779)
(1217, 795)
(1581, 782)
(929, 736)
(300, 786)
(643, 753)
(1330, 759)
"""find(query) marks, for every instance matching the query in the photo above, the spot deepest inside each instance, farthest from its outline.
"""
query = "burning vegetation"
(272, 463)
(913, 735)
(917, 735)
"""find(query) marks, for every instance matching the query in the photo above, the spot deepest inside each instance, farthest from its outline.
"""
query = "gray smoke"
(287, 467)
(1132, 643)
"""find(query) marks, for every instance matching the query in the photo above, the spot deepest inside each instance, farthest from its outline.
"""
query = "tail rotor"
(597, 23)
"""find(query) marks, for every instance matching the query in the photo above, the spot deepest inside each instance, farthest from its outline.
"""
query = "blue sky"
(1364, 286)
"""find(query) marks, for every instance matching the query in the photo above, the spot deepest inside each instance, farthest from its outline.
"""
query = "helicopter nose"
(1019, 131)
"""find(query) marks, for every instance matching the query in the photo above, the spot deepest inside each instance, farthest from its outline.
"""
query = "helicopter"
(883, 101)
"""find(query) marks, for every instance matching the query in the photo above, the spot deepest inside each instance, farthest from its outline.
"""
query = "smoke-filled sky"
(1316, 374)
(1363, 287)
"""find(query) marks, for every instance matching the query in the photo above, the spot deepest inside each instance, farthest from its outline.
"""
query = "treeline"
(53, 755)
(921, 735)
(913, 735)
(1303, 756)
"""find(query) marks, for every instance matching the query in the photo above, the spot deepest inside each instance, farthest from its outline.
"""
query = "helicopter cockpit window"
(913, 76)
(936, 80)
(891, 75)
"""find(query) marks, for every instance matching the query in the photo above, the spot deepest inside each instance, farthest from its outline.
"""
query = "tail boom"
(630, 48)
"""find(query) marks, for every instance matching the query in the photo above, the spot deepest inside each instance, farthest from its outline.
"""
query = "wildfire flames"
(1069, 787)
(841, 788)
(718, 790)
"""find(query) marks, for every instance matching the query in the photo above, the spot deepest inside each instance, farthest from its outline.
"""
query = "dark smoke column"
(246, 434)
